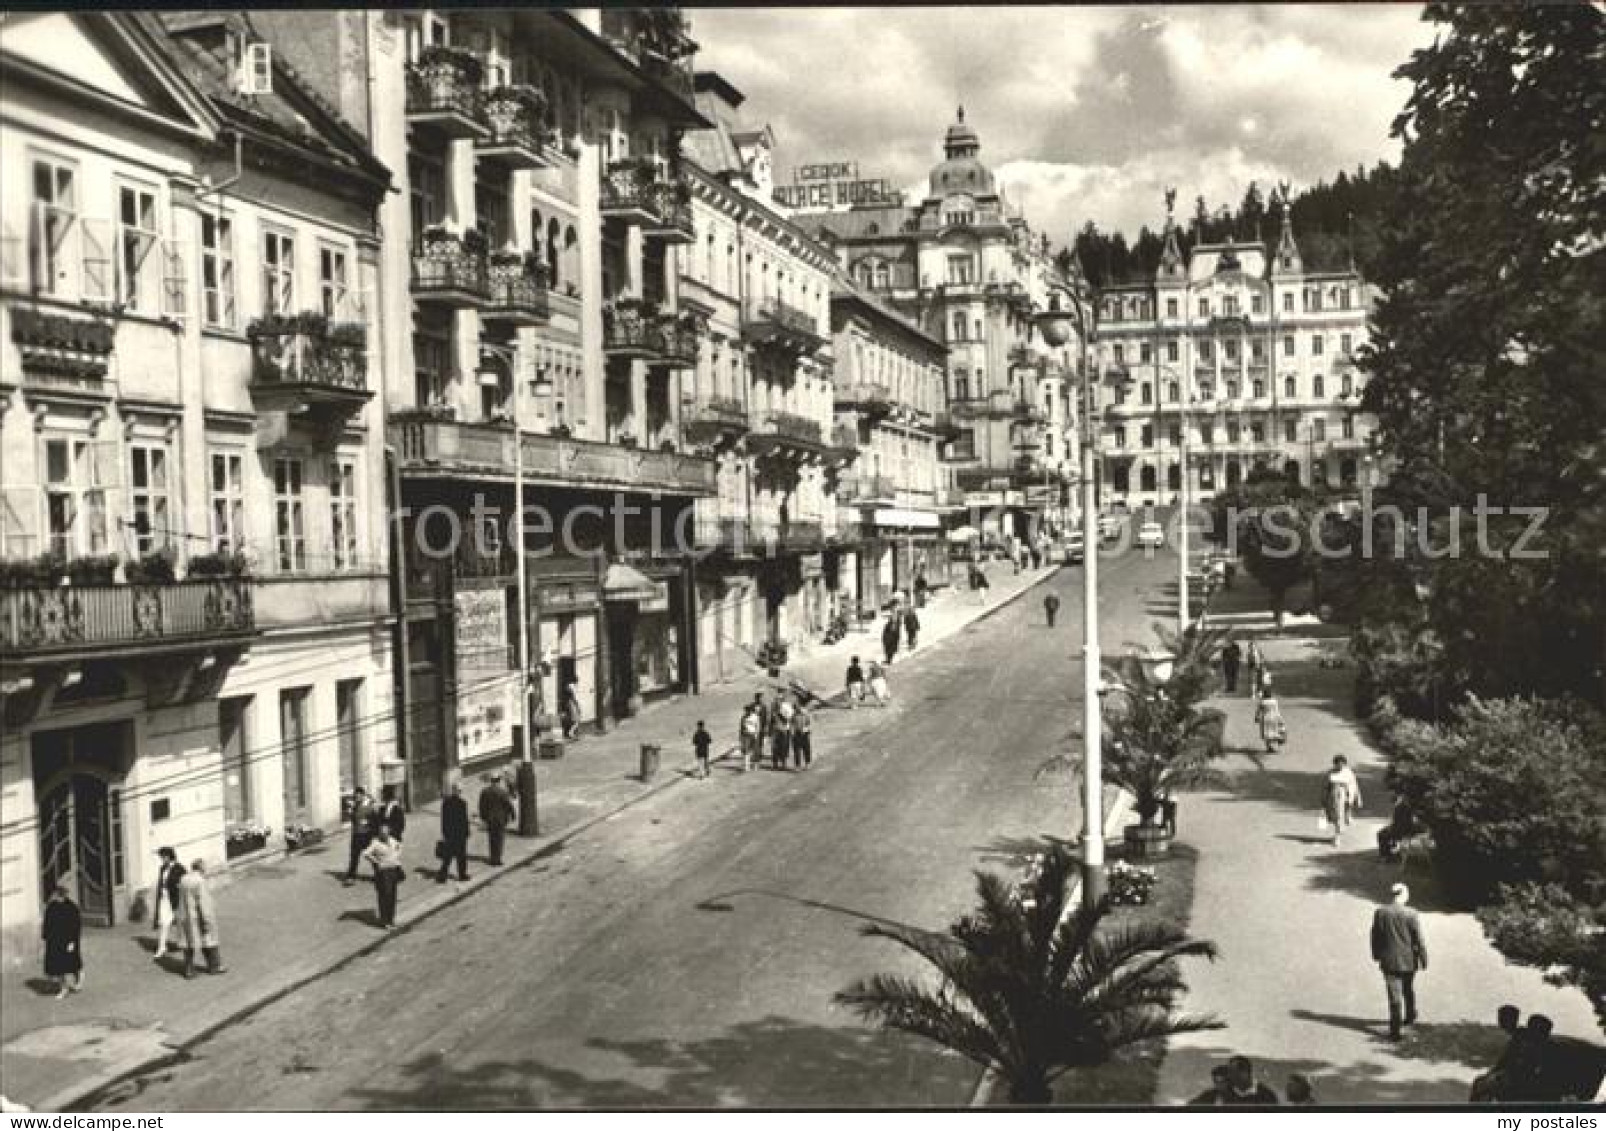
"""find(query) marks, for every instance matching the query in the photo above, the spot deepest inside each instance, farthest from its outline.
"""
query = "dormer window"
(256, 68)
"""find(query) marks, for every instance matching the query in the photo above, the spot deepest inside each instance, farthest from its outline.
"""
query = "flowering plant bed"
(244, 838)
(1130, 885)
(299, 836)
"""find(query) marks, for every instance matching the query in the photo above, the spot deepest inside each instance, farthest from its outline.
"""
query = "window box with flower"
(242, 838)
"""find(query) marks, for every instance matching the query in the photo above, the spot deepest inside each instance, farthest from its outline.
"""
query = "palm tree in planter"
(1030, 993)
(1159, 739)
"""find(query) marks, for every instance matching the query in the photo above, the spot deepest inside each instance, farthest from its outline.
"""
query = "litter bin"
(549, 749)
(649, 761)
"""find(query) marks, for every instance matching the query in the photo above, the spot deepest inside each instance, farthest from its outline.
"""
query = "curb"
(1119, 809)
(85, 1091)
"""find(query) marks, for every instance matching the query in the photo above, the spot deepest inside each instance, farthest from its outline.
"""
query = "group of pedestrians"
(902, 624)
(1234, 1085)
(784, 727)
(858, 684)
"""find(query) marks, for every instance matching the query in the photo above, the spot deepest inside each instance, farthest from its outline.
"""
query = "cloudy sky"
(1085, 113)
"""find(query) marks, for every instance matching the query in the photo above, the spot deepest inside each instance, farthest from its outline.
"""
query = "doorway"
(78, 776)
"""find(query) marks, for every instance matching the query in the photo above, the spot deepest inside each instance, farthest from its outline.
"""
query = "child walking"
(701, 740)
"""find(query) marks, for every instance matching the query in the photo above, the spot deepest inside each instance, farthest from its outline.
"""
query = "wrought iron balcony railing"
(97, 620)
(450, 269)
(443, 93)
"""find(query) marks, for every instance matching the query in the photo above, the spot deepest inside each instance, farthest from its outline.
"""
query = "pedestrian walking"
(1256, 663)
(879, 686)
(978, 582)
(1051, 607)
(1262, 685)
(392, 813)
(454, 834)
(802, 739)
(1341, 797)
(890, 635)
(781, 731)
(701, 742)
(362, 818)
(498, 812)
(855, 683)
(911, 629)
(199, 918)
(1269, 718)
(385, 854)
(1243, 1090)
(569, 707)
(752, 735)
(922, 588)
(63, 934)
(164, 898)
(1399, 952)
(1231, 657)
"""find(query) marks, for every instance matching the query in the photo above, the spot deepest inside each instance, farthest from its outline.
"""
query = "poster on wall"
(482, 643)
(486, 712)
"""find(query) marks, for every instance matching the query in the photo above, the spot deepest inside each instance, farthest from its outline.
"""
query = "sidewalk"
(288, 922)
(1295, 982)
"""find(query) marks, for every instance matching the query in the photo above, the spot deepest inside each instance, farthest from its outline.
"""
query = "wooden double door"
(78, 774)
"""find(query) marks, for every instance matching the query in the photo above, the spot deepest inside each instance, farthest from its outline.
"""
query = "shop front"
(645, 608)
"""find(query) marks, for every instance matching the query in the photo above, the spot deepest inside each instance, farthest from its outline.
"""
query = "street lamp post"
(1055, 326)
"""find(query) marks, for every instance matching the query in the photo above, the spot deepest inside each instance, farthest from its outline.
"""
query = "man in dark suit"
(454, 833)
(1399, 951)
(497, 811)
(392, 815)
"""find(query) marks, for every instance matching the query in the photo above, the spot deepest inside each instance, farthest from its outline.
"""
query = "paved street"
(686, 952)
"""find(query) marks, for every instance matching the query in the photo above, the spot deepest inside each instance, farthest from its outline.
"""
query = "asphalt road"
(686, 953)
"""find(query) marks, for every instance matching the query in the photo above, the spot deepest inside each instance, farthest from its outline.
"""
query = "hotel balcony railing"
(632, 328)
(516, 122)
(443, 93)
(864, 396)
(794, 427)
(450, 270)
(669, 202)
(519, 291)
(782, 326)
(789, 434)
(651, 193)
(58, 622)
(309, 358)
(669, 73)
(714, 418)
(430, 446)
(682, 334)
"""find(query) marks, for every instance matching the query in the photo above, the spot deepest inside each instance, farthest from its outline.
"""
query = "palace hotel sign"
(834, 186)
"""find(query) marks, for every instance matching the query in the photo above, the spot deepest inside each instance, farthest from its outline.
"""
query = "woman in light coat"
(198, 920)
(1341, 797)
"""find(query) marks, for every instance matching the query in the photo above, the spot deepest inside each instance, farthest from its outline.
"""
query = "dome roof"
(961, 171)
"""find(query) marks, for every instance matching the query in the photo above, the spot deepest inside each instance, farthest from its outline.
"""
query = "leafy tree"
(1546, 926)
(1269, 519)
(1030, 992)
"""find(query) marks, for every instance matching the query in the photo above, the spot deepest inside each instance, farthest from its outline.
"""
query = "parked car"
(1075, 546)
(1150, 535)
(1109, 527)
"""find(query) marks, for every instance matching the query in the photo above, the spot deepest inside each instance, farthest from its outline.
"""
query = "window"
(1347, 428)
(431, 369)
(1147, 393)
(1290, 430)
(1259, 388)
(1288, 302)
(1175, 436)
(1148, 435)
(1230, 305)
(1170, 308)
(1257, 432)
(289, 532)
(1288, 345)
(1316, 344)
(1257, 350)
(961, 269)
(1290, 388)
(228, 502)
(1232, 390)
(1346, 384)
(1207, 432)
(75, 518)
(491, 208)
(148, 497)
(55, 211)
(1119, 435)
(1257, 304)
(136, 236)
(958, 334)
(1207, 390)
(1207, 351)
(348, 718)
(1204, 308)
(1231, 346)
(1172, 350)
(1234, 431)
(883, 277)
(1145, 353)
(333, 287)
(426, 181)
(1318, 429)
(278, 273)
(1344, 344)
(343, 513)
(217, 271)
(293, 744)
(231, 723)
(1118, 353)
(1318, 386)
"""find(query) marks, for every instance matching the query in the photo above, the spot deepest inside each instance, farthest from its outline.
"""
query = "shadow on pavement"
(1468, 1043)
(771, 1062)
(1360, 1084)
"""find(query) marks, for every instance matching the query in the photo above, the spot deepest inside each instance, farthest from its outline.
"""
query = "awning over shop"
(897, 516)
(622, 583)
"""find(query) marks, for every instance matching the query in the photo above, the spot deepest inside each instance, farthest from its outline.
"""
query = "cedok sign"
(834, 186)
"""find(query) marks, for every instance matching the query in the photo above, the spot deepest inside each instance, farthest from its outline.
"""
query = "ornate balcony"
(446, 449)
(649, 193)
(715, 419)
(682, 334)
(449, 270)
(62, 623)
(868, 489)
(518, 136)
(632, 328)
(518, 286)
(780, 326)
(870, 399)
(443, 94)
(725, 534)
(669, 202)
(787, 434)
(306, 360)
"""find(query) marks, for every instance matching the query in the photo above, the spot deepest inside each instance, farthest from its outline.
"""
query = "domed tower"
(961, 170)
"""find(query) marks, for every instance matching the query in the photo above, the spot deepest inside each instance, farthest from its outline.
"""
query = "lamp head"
(1055, 326)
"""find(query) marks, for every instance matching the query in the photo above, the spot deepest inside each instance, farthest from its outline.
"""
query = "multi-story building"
(535, 337)
(890, 402)
(759, 400)
(970, 271)
(195, 616)
(1241, 352)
